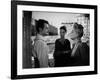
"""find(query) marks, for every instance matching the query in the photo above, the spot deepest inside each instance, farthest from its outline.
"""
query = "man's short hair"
(64, 28)
(79, 29)
(40, 24)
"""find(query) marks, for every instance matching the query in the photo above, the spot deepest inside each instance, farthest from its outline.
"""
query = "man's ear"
(40, 29)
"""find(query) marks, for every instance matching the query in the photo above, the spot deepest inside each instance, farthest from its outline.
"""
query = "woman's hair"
(63, 27)
(40, 24)
(79, 29)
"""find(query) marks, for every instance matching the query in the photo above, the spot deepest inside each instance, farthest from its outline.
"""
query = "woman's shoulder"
(57, 39)
(67, 40)
(83, 45)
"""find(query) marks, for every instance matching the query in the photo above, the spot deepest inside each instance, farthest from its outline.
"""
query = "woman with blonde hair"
(80, 50)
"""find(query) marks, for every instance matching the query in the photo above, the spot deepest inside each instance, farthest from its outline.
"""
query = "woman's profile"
(80, 50)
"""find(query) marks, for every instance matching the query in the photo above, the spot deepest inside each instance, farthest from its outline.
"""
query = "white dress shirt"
(41, 50)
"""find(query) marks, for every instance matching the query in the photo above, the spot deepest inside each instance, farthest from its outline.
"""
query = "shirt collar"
(40, 37)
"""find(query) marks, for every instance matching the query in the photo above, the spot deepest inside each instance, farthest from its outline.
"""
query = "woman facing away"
(62, 49)
(80, 50)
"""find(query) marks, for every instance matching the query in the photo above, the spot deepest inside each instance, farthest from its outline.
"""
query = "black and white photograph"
(53, 39)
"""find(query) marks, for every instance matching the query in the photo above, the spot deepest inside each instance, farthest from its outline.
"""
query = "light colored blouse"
(41, 50)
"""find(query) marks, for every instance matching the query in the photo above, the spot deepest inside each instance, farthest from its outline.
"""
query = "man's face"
(45, 30)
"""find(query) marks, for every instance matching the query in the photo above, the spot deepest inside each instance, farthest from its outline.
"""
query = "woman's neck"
(77, 40)
(62, 38)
